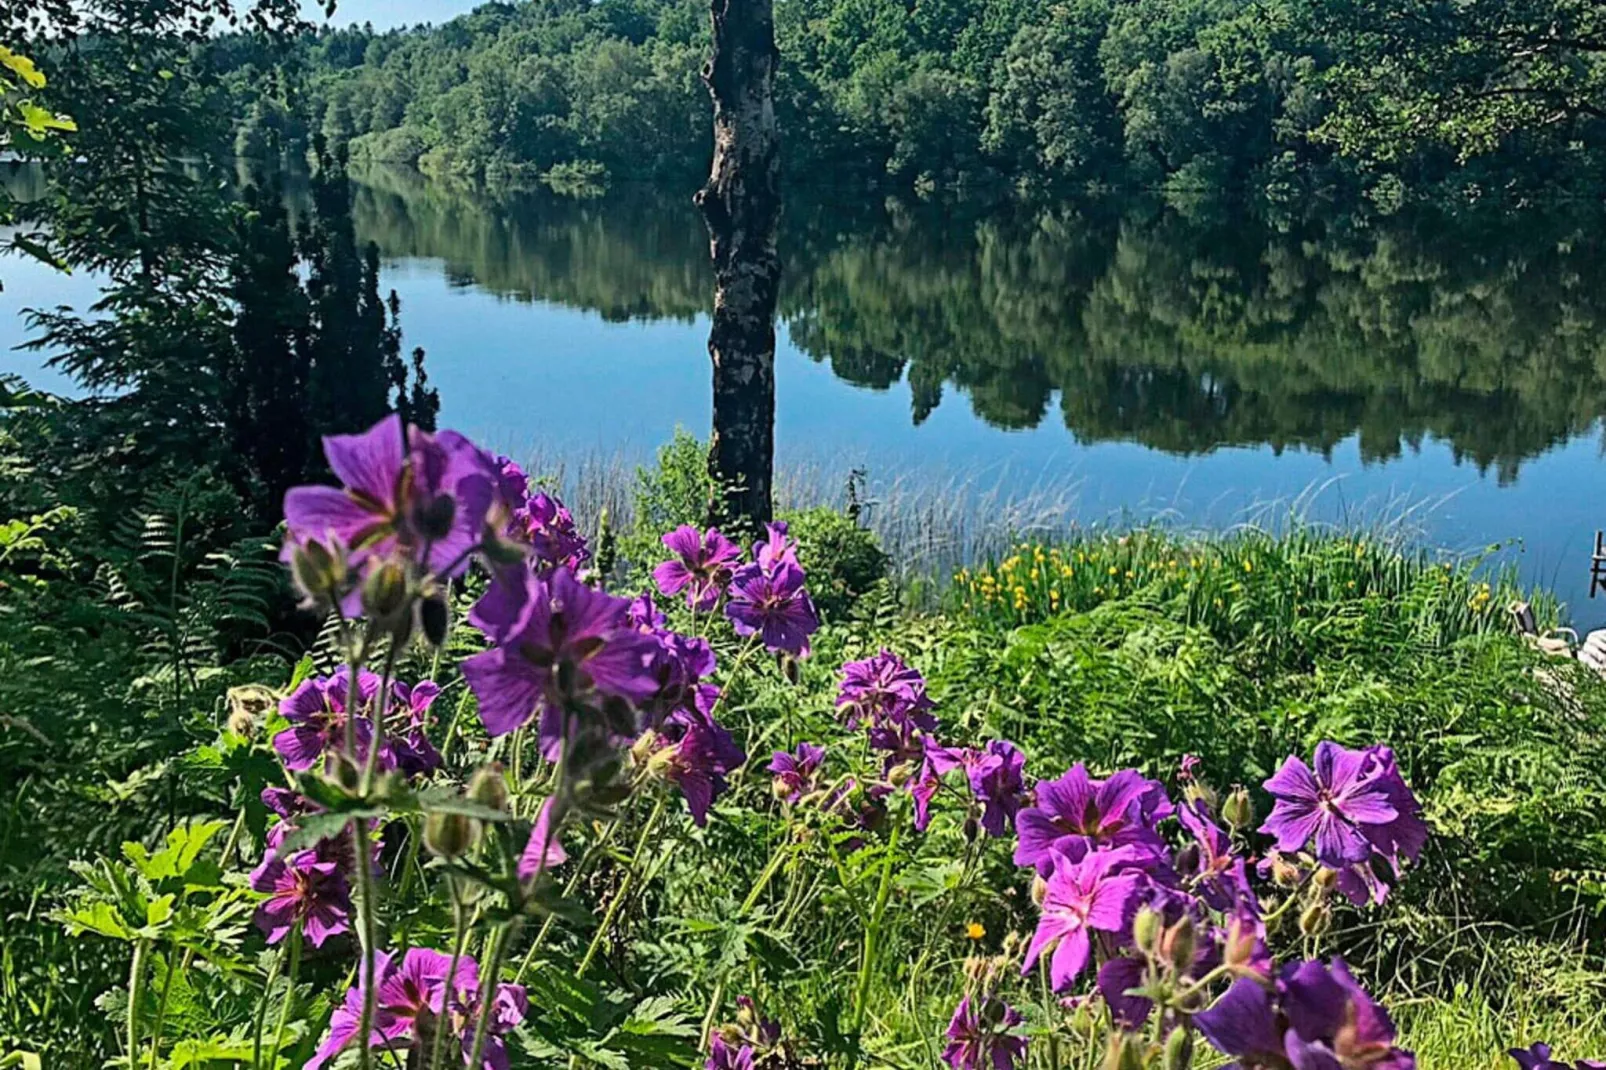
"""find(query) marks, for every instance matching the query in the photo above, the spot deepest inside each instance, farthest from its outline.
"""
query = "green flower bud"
(1146, 929)
(1180, 944)
(488, 787)
(450, 835)
(1178, 1050)
(434, 616)
(318, 572)
(1238, 811)
(1315, 919)
(385, 593)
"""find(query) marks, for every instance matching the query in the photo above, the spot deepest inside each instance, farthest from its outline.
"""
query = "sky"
(386, 14)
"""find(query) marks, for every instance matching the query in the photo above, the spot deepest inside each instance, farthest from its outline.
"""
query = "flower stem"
(363, 864)
(459, 938)
(136, 981)
(625, 887)
(262, 1009)
(490, 983)
(381, 703)
(289, 993)
(580, 870)
(872, 938)
(161, 1011)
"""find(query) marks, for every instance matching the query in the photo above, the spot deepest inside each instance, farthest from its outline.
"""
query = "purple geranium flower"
(702, 565)
(979, 1037)
(935, 761)
(723, 1056)
(1406, 835)
(1116, 980)
(1538, 1058)
(544, 850)
(883, 690)
(695, 753)
(1335, 1023)
(1244, 1024)
(316, 710)
(304, 891)
(774, 606)
(995, 773)
(776, 550)
(795, 774)
(415, 754)
(548, 526)
(426, 496)
(1346, 806)
(414, 998)
(566, 646)
(1095, 893)
(1221, 878)
(1077, 814)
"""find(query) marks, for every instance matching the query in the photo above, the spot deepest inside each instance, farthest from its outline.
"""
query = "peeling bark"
(742, 206)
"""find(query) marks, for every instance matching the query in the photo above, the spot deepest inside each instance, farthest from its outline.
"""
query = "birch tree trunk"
(742, 206)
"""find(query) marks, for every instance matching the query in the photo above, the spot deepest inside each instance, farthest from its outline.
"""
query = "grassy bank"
(1118, 649)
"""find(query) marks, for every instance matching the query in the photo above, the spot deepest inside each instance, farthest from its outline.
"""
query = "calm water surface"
(1183, 362)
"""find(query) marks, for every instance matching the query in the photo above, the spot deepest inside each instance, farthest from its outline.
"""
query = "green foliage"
(843, 560)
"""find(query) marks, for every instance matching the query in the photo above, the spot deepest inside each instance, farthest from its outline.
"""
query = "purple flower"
(1538, 1058)
(795, 774)
(1220, 878)
(979, 1037)
(414, 998)
(1244, 1023)
(316, 710)
(415, 755)
(723, 1056)
(1315, 1018)
(1187, 769)
(1095, 893)
(695, 753)
(883, 690)
(774, 606)
(426, 496)
(776, 550)
(645, 615)
(564, 647)
(682, 665)
(1335, 1023)
(304, 891)
(1346, 806)
(996, 780)
(548, 526)
(1077, 814)
(544, 850)
(1406, 834)
(935, 761)
(1116, 980)
(702, 565)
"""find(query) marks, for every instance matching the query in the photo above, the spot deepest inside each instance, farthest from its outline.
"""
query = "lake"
(1135, 359)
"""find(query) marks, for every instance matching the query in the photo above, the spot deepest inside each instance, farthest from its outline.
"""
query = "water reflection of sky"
(517, 375)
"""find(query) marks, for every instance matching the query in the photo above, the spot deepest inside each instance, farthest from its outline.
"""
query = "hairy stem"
(366, 911)
(136, 981)
(289, 993)
(459, 938)
(490, 982)
(625, 887)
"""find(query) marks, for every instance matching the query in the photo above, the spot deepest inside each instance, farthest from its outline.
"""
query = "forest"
(1285, 98)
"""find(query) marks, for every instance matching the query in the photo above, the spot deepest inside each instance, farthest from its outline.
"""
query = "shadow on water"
(1184, 328)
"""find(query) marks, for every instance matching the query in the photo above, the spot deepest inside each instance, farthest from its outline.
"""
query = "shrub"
(844, 561)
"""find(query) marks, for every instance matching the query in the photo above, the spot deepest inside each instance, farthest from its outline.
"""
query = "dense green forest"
(1280, 96)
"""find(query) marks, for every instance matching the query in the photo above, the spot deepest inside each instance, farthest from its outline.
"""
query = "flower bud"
(343, 771)
(1326, 879)
(1146, 929)
(434, 517)
(780, 789)
(1238, 811)
(384, 593)
(241, 723)
(1284, 872)
(434, 617)
(899, 774)
(1178, 1050)
(1124, 1053)
(450, 835)
(1039, 889)
(1238, 950)
(318, 572)
(1083, 1021)
(1315, 919)
(1180, 943)
(487, 787)
(1200, 794)
(789, 668)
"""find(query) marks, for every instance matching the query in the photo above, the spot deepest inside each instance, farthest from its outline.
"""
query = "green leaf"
(157, 911)
(97, 918)
(22, 67)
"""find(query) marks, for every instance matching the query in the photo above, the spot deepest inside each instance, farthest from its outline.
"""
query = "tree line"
(1282, 97)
